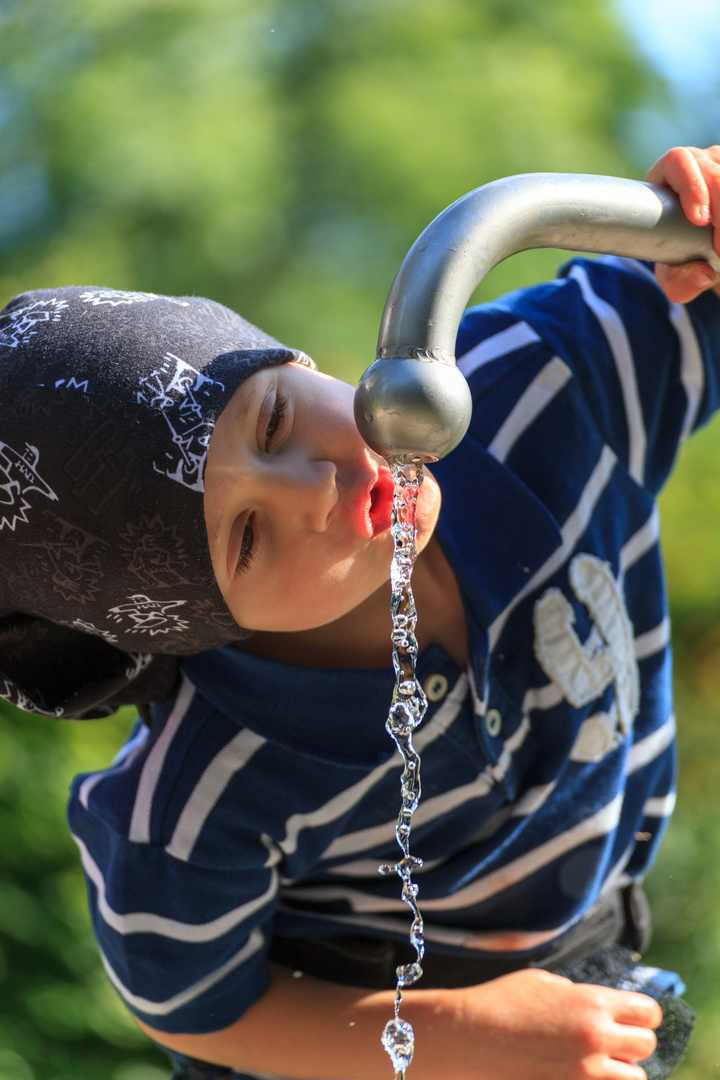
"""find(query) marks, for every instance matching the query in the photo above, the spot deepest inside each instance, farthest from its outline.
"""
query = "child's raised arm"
(694, 175)
(529, 1024)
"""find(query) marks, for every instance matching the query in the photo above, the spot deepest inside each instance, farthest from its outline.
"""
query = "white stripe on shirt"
(616, 335)
(122, 761)
(150, 776)
(147, 922)
(161, 1008)
(659, 806)
(529, 803)
(597, 825)
(505, 341)
(652, 641)
(209, 789)
(345, 800)
(640, 542)
(430, 809)
(487, 941)
(546, 385)
(571, 532)
(692, 373)
(542, 697)
(651, 747)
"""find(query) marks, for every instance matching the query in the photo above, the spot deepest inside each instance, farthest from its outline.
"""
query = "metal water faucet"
(413, 401)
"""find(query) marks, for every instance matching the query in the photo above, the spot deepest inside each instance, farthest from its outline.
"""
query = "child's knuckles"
(684, 162)
(594, 1034)
(601, 1067)
(683, 283)
(696, 186)
(676, 155)
(590, 1069)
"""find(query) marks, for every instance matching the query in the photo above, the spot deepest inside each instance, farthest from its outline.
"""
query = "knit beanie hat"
(107, 403)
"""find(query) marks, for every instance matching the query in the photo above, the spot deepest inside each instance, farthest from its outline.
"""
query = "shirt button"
(435, 687)
(493, 723)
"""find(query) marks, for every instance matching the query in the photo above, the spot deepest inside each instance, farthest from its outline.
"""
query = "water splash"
(406, 712)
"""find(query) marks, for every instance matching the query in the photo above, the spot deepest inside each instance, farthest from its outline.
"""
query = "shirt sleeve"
(648, 369)
(183, 934)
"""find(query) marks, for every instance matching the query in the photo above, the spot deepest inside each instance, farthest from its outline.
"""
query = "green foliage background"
(281, 156)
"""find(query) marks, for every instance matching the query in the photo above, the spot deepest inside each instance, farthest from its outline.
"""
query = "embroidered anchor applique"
(584, 670)
(18, 477)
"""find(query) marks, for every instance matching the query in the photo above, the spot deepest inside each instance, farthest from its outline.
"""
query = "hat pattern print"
(107, 404)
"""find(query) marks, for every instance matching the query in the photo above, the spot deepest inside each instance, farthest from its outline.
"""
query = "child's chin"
(428, 510)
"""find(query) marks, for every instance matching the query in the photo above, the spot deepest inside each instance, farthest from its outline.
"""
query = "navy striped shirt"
(266, 794)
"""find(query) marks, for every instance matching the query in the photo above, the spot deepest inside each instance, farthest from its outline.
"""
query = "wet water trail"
(406, 712)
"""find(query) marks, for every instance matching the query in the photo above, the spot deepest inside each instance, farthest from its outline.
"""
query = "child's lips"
(381, 501)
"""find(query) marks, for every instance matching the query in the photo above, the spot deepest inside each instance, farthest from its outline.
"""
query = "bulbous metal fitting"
(412, 401)
(404, 403)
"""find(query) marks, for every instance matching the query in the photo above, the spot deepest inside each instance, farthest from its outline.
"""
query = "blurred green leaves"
(59, 1018)
(281, 156)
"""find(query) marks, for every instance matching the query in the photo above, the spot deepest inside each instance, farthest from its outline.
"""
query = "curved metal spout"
(413, 401)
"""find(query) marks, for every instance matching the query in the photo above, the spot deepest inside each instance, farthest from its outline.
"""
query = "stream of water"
(406, 712)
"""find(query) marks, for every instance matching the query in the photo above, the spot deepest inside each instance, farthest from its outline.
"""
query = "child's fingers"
(631, 1043)
(639, 1010)
(709, 161)
(683, 283)
(680, 169)
(633, 1037)
(620, 1070)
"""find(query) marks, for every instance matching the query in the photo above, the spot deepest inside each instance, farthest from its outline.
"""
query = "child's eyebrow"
(238, 411)
(241, 404)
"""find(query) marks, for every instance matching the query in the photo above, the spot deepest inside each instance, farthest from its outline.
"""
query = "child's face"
(297, 506)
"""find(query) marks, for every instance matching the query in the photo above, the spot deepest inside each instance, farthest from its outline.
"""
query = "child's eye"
(247, 548)
(276, 419)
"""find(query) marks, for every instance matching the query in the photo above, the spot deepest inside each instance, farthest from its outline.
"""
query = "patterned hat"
(107, 403)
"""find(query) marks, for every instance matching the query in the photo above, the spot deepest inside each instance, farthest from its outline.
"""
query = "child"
(235, 841)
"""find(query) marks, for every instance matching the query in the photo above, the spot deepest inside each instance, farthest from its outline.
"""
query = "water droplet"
(407, 974)
(398, 1038)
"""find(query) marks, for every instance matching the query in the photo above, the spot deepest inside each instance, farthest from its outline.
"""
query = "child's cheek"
(428, 509)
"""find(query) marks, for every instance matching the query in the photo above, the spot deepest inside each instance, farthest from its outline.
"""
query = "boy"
(236, 840)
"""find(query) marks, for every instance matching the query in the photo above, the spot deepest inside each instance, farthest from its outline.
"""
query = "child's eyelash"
(276, 418)
(247, 547)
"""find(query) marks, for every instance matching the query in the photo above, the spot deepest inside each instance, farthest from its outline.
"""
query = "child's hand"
(695, 176)
(529, 1025)
(538, 1025)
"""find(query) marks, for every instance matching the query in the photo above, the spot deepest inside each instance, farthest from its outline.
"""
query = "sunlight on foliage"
(281, 156)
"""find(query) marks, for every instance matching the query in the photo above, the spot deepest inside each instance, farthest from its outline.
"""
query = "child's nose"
(309, 494)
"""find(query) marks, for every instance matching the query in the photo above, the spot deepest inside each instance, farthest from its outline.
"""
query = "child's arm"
(527, 1024)
(695, 175)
